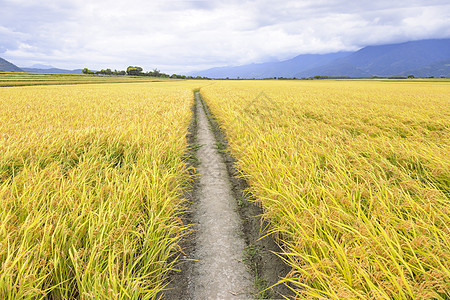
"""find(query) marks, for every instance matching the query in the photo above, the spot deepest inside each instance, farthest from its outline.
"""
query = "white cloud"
(179, 36)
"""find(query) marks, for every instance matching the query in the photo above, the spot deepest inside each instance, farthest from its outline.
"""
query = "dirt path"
(219, 272)
(212, 266)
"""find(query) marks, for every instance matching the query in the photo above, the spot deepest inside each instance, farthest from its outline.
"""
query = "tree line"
(138, 71)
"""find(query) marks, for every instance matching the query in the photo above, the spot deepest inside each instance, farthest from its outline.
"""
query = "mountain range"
(424, 58)
(51, 70)
(38, 68)
(9, 67)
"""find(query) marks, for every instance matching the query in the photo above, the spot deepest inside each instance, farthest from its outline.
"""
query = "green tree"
(136, 71)
(87, 71)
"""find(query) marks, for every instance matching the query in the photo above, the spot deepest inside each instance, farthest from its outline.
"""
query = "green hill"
(9, 67)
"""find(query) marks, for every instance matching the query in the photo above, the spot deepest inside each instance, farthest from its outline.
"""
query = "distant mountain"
(52, 70)
(287, 68)
(420, 58)
(40, 66)
(439, 69)
(423, 58)
(9, 67)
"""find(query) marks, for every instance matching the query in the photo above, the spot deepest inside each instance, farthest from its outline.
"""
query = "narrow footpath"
(219, 272)
(223, 232)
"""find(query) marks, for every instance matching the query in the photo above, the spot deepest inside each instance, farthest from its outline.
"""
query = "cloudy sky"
(184, 35)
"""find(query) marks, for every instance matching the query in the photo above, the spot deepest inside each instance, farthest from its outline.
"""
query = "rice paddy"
(90, 189)
(353, 177)
(11, 79)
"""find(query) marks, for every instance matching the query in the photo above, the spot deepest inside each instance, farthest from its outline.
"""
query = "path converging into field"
(219, 272)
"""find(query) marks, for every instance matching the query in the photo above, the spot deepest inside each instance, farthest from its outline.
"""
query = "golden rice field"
(354, 177)
(90, 188)
(9, 79)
